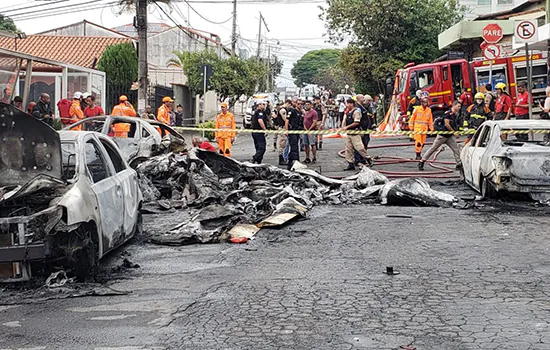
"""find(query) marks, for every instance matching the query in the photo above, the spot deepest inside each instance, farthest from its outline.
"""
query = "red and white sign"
(492, 51)
(526, 32)
(492, 33)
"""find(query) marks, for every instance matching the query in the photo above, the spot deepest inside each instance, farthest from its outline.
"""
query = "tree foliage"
(386, 34)
(309, 68)
(7, 24)
(231, 77)
(120, 64)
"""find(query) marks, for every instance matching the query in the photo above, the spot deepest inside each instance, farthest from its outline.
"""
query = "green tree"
(231, 77)
(7, 24)
(120, 64)
(312, 65)
(388, 33)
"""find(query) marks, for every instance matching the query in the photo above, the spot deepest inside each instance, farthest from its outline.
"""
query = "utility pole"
(262, 19)
(234, 33)
(141, 26)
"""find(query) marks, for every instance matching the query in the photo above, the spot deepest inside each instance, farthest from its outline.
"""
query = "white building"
(162, 41)
(483, 7)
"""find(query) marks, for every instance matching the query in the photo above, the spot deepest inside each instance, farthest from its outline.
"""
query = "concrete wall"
(83, 29)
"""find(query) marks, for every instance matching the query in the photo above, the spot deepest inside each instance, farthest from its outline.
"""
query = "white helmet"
(77, 95)
(419, 93)
(368, 98)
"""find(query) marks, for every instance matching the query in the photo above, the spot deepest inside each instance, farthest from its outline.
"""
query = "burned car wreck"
(63, 196)
(143, 138)
(509, 156)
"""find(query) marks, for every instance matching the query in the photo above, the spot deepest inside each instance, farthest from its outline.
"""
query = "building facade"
(477, 8)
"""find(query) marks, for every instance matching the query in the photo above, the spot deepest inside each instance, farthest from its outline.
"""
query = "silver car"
(145, 138)
(510, 156)
(66, 195)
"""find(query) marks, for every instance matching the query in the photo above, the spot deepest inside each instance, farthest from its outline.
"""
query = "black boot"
(421, 166)
(282, 161)
(418, 156)
(350, 167)
(320, 145)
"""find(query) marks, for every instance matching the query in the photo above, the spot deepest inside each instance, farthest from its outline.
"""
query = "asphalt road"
(468, 279)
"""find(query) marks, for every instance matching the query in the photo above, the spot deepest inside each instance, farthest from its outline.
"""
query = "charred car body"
(63, 195)
(145, 138)
(509, 156)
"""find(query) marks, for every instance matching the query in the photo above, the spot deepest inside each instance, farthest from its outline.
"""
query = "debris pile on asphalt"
(225, 198)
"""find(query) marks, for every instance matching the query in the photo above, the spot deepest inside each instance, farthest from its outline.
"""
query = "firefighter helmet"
(501, 86)
(480, 95)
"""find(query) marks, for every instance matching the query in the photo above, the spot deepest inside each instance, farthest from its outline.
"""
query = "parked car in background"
(64, 196)
(145, 138)
(500, 158)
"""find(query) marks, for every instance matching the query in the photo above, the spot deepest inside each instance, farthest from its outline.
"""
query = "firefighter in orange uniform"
(163, 113)
(75, 111)
(225, 120)
(421, 120)
(123, 109)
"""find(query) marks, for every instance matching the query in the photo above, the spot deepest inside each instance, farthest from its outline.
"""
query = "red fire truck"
(445, 80)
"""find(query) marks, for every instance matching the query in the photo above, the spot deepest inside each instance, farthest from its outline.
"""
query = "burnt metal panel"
(18, 253)
(28, 147)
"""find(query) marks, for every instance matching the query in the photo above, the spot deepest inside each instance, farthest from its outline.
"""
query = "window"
(95, 162)
(425, 78)
(118, 163)
(484, 137)
(484, 2)
(445, 73)
(69, 160)
(124, 129)
(505, 2)
(144, 133)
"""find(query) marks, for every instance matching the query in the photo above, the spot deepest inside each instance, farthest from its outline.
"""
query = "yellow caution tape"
(353, 132)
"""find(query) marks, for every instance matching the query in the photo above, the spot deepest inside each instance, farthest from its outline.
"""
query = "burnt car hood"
(28, 148)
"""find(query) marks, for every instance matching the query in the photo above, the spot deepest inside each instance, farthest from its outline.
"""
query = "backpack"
(64, 106)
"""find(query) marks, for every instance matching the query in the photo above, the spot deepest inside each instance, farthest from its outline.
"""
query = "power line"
(62, 9)
(171, 19)
(68, 11)
(206, 19)
(34, 6)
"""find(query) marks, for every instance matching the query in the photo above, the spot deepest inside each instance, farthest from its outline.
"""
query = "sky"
(294, 25)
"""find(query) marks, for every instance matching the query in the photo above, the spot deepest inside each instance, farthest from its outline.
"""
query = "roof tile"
(79, 51)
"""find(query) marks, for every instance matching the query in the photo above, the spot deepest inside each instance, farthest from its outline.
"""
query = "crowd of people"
(466, 113)
(83, 105)
(359, 113)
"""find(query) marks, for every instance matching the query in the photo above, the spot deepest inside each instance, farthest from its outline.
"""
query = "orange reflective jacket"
(422, 119)
(122, 110)
(163, 114)
(76, 114)
(225, 121)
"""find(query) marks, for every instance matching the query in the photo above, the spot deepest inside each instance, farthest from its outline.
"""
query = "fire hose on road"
(441, 172)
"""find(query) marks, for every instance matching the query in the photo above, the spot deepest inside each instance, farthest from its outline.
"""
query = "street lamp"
(347, 87)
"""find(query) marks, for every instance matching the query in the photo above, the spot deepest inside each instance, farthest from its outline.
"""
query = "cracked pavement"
(468, 279)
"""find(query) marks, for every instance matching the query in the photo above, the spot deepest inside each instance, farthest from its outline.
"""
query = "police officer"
(259, 122)
(294, 121)
(354, 142)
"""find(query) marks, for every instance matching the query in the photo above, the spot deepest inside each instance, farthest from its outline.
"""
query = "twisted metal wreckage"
(230, 199)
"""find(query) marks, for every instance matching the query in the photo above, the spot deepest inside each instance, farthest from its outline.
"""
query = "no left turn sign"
(526, 31)
(492, 51)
